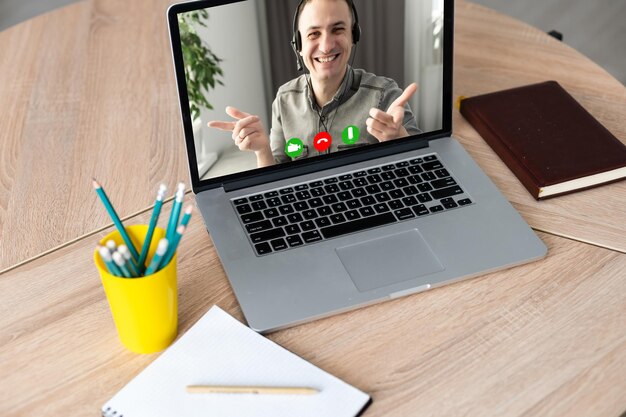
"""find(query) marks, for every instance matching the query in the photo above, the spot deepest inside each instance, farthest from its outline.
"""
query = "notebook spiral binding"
(109, 412)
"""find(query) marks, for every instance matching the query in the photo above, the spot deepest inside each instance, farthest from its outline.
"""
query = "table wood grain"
(88, 90)
(546, 338)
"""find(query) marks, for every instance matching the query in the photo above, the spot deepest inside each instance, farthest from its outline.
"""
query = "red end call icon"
(322, 141)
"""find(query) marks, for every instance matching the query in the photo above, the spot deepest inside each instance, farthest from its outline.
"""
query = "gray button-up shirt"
(294, 113)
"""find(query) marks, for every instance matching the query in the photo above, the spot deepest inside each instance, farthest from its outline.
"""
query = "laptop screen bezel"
(295, 168)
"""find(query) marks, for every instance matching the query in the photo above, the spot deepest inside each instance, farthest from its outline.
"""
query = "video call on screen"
(353, 74)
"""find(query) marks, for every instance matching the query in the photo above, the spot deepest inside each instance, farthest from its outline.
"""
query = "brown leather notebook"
(549, 141)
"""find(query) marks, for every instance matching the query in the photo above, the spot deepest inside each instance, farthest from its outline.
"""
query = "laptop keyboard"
(313, 211)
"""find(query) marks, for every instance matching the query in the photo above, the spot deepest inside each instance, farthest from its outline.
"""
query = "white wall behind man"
(232, 33)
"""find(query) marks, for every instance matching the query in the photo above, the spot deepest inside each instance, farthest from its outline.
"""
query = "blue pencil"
(130, 264)
(172, 248)
(186, 216)
(153, 221)
(121, 264)
(105, 254)
(115, 218)
(175, 214)
(158, 256)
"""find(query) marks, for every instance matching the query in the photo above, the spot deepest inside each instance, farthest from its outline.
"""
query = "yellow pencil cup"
(145, 309)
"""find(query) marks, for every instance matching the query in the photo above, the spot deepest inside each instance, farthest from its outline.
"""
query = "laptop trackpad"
(388, 260)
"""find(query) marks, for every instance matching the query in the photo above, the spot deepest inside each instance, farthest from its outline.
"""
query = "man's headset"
(296, 40)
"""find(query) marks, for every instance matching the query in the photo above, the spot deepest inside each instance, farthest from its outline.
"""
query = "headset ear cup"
(356, 33)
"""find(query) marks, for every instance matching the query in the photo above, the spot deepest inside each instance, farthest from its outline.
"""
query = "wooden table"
(544, 338)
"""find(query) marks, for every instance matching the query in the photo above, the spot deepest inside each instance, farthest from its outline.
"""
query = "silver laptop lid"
(273, 89)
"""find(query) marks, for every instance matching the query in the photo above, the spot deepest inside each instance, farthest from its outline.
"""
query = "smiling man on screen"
(333, 97)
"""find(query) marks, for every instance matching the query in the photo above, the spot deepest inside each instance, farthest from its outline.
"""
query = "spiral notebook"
(219, 350)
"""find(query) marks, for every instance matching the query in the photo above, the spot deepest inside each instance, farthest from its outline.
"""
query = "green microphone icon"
(350, 135)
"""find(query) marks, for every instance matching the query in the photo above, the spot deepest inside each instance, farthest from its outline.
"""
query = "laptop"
(318, 135)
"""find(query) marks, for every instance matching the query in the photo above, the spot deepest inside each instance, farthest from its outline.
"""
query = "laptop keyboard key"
(257, 197)
(316, 202)
(381, 208)
(366, 211)
(420, 210)
(442, 183)
(357, 225)
(404, 214)
(436, 209)
(446, 192)
(309, 214)
(374, 179)
(279, 221)
(465, 202)
(259, 226)
(278, 244)
(244, 208)
(353, 204)
(352, 215)
(330, 199)
(344, 196)
(259, 205)
(263, 248)
(307, 225)
(240, 201)
(292, 229)
(337, 218)
(252, 217)
(274, 202)
(428, 176)
(271, 194)
(289, 198)
(300, 206)
(271, 212)
(395, 204)
(294, 241)
(382, 197)
(425, 187)
(424, 198)
(303, 195)
(286, 190)
(431, 166)
(409, 201)
(322, 222)
(288, 209)
(267, 235)
(317, 192)
(295, 218)
(301, 187)
(312, 236)
(325, 211)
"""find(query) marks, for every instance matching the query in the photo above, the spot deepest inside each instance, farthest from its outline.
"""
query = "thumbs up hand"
(387, 125)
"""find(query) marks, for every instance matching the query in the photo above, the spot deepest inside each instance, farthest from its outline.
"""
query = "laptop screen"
(271, 83)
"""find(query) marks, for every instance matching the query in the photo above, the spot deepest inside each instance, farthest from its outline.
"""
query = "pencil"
(175, 214)
(115, 218)
(153, 221)
(105, 254)
(156, 259)
(221, 389)
(171, 250)
(121, 264)
(186, 216)
(130, 264)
